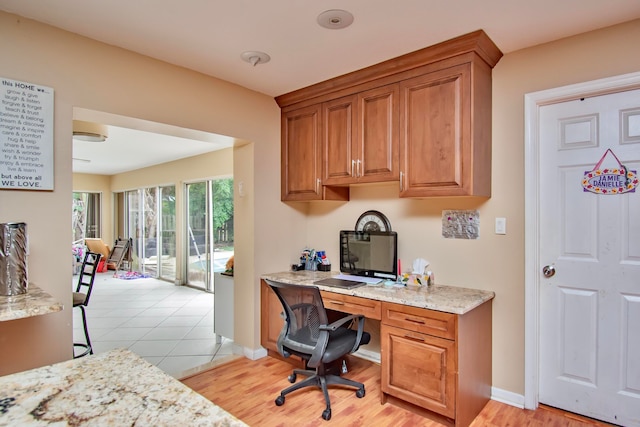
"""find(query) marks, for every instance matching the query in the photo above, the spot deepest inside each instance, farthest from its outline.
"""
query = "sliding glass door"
(209, 230)
(148, 244)
(133, 224)
(200, 239)
(167, 234)
(149, 220)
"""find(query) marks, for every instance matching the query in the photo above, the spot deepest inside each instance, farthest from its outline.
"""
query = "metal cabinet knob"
(548, 271)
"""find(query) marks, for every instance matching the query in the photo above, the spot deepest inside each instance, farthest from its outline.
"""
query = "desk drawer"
(435, 323)
(352, 305)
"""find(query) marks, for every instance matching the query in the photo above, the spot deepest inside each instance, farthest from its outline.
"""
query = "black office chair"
(307, 334)
(81, 298)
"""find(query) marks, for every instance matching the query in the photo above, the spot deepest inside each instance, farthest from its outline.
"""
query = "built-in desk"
(435, 349)
(35, 302)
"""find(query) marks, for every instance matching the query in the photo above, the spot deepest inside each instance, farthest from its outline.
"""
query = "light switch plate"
(501, 225)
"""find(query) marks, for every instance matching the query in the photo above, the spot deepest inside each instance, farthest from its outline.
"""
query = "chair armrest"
(335, 325)
(323, 339)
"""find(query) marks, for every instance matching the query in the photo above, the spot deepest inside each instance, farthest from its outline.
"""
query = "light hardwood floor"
(247, 389)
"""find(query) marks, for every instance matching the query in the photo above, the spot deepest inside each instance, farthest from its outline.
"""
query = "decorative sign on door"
(614, 180)
(26, 136)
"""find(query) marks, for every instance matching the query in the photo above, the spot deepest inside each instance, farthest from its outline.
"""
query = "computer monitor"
(369, 254)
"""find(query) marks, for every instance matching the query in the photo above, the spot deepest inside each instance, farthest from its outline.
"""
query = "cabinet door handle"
(401, 180)
(418, 321)
(318, 185)
(353, 168)
(414, 338)
(358, 169)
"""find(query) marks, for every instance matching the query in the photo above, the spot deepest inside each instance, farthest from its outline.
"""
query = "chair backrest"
(304, 313)
(121, 250)
(88, 275)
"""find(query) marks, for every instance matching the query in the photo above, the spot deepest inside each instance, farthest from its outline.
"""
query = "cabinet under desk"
(435, 342)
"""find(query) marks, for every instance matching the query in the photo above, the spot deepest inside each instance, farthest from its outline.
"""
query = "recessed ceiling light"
(335, 19)
(254, 57)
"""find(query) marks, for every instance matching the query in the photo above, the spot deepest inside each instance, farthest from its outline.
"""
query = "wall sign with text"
(613, 180)
(26, 136)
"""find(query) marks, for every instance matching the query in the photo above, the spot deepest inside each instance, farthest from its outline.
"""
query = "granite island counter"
(448, 299)
(115, 388)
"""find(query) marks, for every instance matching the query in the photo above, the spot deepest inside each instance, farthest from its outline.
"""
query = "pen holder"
(324, 267)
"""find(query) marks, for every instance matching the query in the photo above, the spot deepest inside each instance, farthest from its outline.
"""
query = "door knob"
(548, 271)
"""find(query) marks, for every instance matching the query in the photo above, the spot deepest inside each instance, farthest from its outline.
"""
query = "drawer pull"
(413, 338)
(336, 302)
(418, 321)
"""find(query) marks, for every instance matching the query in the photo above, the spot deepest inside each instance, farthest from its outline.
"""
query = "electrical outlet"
(501, 225)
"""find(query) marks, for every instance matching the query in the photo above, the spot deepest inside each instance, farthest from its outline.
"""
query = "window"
(86, 216)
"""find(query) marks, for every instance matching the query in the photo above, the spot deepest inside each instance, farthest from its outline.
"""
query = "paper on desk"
(370, 280)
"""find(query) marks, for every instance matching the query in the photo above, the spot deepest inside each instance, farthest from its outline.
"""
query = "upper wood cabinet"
(423, 119)
(301, 153)
(445, 134)
(360, 138)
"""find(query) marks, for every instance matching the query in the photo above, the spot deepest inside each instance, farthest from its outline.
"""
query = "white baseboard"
(507, 397)
(251, 354)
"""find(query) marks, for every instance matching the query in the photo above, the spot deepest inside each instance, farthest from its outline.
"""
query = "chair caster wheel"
(326, 414)
(292, 378)
(360, 393)
(279, 400)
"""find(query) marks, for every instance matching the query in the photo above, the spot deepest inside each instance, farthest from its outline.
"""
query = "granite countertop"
(115, 388)
(449, 299)
(34, 303)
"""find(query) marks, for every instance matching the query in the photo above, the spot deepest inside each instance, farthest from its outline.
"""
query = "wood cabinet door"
(339, 148)
(360, 137)
(435, 133)
(271, 320)
(419, 368)
(378, 134)
(301, 154)
(271, 323)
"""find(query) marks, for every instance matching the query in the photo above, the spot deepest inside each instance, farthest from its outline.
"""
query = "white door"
(589, 314)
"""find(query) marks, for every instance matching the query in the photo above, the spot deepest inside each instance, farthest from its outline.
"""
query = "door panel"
(577, 341)
(378, 134)
(198, 231)
(590, 308)
(631, 346)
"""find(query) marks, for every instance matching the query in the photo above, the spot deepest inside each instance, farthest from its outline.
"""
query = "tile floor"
(169, 326)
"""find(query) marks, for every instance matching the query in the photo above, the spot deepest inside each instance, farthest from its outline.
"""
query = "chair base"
(321, 379)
